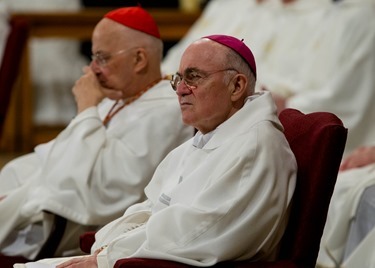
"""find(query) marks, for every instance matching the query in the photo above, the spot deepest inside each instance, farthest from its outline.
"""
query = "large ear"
(141, 60)
(238, 87)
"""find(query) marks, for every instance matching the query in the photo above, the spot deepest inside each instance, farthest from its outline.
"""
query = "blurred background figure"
(4, 27)
(55, 65)
(327, 66)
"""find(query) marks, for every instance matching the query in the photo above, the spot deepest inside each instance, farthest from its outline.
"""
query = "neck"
(139, 83)
(112, 112)
(142, 90)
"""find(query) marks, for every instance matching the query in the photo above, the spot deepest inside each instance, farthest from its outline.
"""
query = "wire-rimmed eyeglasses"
(193, 78)
(102, 59)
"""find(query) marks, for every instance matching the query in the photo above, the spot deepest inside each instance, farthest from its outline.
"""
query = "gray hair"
(153, 45)
(238, 63)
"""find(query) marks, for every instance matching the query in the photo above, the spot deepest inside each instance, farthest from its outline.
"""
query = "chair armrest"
(152, 263)
(86, 241)
(148, 263)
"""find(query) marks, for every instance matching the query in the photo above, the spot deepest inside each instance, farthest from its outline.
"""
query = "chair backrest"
(318, 142)
(9, 68)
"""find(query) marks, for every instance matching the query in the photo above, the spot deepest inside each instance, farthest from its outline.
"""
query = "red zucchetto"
(136, 18)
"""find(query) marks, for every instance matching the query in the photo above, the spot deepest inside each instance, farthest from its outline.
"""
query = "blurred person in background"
(55, 65)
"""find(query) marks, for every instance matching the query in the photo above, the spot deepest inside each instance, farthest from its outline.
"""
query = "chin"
(111, 94)
(112, 97)
(187, 120)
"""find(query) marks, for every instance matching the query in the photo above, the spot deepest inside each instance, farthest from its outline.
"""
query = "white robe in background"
(90, 174)
(321, 57)
(344, 203)
(228, 200)
(337, 70)
(281, 43)
(363, 256)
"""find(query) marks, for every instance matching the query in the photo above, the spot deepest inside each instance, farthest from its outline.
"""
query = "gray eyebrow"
(191, 69)
(100, 52)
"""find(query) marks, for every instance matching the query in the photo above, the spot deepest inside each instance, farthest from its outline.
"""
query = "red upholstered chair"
(9, 68)
(318, 141)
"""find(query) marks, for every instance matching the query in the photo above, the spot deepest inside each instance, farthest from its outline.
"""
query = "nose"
(94, 66)
(182, 89)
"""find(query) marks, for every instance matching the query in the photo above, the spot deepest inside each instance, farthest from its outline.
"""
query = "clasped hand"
(87, 90)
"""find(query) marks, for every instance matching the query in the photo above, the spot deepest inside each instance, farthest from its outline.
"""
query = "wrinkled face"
(112, 57)
(204, 94)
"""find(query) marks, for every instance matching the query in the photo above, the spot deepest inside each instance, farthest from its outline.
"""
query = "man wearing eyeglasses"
(128, 119)
(237, 172)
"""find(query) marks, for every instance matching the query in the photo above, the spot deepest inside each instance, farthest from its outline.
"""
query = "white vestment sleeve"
(92, 174)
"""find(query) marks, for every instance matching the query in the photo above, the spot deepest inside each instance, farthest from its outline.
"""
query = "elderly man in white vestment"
(314, 56)
(128, 120)
(226, 193)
